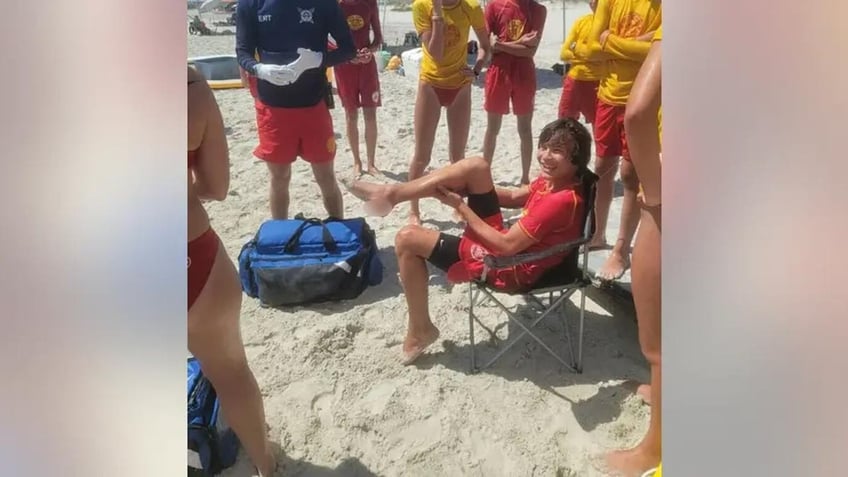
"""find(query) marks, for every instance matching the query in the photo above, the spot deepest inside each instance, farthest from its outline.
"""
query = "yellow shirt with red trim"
(658, 37)
(581, 68)
(458, 21)
(626, 20)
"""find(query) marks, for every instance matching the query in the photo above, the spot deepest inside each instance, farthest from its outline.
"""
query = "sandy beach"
(337, 400)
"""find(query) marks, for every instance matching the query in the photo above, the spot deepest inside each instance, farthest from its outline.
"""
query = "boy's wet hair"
(569, 135)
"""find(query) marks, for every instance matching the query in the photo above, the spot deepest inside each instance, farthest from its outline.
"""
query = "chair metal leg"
(565, 326)
(526, 331)
(580, 336)
(471, 326)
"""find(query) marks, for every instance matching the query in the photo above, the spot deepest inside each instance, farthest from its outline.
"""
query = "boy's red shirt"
(550, 217)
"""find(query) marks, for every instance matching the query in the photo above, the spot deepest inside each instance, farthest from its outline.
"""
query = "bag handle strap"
(326, 236)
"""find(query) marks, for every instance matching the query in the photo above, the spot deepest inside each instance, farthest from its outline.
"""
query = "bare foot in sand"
(414, 346)
(372, 169)
(375, 196)
(632, 462)
(357, 170)
(414, 219)
(269, 467)
(614, 267)
(644, 392)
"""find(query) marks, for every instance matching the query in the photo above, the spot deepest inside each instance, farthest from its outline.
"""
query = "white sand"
(338, 402)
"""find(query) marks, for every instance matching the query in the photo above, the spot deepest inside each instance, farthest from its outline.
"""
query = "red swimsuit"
(201, 254)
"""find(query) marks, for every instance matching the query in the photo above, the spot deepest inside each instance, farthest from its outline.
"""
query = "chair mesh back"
(590, 183)
(569, 268)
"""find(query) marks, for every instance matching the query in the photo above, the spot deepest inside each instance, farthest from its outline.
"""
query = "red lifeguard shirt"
(359, 15)
(550, 217)
(510, 20)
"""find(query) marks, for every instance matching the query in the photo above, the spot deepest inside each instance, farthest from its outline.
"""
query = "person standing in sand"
(358, 81)
(445, 78)
(214, 291)
(643, 123)
(552, 210)
(290, 39)
(580, 84)
(622, 30)
(516, 29)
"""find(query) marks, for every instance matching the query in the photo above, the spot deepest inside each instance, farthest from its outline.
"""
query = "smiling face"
(554, 162)
(564, 151)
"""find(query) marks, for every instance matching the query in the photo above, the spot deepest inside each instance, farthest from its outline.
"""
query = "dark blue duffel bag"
(301, 261)
(212, 445)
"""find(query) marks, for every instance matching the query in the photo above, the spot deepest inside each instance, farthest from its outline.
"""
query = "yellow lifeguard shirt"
(658, 37)
(625, 20)
(581, 69)
(458, 19)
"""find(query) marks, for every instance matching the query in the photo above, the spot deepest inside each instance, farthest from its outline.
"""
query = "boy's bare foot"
(632, 462)
(375, 196)
(414, 346)
(414, 219)
(644, 392)
(357, 170)
(614, 267)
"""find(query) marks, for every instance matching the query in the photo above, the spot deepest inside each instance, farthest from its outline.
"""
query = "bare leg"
(413, 244)
(525, 135)
(370, 115)
(325, 176)
(427, 113)
(619, 258)
(214, 338)
(605, 168)
(352, 122)
(459, 121)
(280, 179)
(644, 392)
(472, 175)
(647, 296)
(490, 140)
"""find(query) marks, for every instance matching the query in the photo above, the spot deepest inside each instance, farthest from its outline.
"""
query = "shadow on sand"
(527, 361)
(288, 467)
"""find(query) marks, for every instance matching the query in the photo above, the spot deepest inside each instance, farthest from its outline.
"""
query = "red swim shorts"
(516, 82)
(358, 85)
(610, 139)
(578, 97)
(286, 133)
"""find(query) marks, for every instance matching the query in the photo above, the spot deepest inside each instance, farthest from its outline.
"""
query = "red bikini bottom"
(201, 257)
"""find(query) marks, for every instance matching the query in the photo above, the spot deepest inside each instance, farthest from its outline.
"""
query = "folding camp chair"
(558, 284)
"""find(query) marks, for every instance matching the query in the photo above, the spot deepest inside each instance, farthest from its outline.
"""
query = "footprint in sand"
(378, 397)
(322, 405)
(414, 438)
(486, 451)
(305, 394)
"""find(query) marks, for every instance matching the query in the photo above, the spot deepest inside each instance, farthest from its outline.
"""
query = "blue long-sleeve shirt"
(275, 29)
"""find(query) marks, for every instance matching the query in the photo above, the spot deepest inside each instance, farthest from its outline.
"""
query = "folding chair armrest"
(493, 262)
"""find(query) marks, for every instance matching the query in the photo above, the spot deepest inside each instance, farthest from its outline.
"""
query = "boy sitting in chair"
(553, 207)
